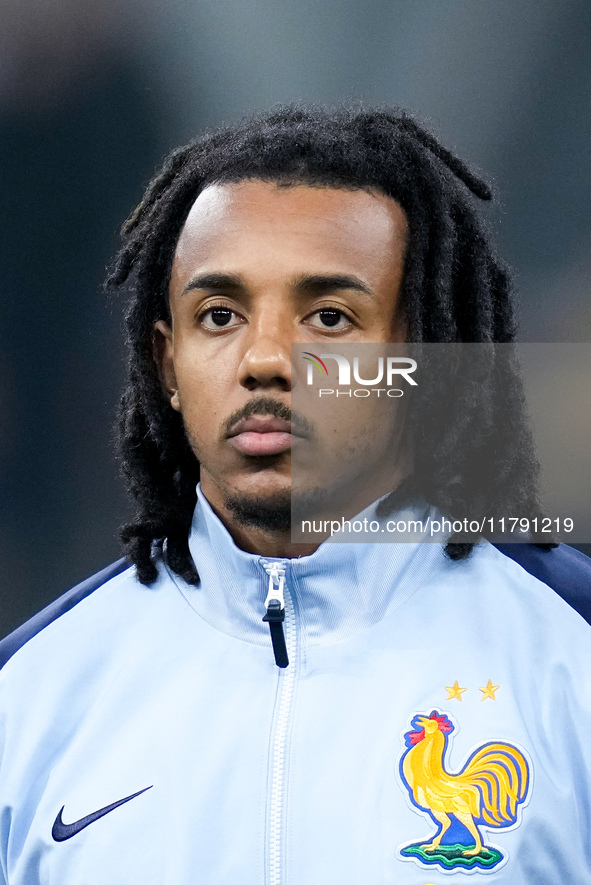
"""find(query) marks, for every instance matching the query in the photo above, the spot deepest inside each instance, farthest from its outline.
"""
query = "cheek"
(204, 392)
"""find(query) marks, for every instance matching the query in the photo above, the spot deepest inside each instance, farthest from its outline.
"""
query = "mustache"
(264, 405)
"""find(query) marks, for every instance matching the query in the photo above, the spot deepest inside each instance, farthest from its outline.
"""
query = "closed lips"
(261, 435)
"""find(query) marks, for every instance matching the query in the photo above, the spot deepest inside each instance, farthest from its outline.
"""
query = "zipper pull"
(275, 611)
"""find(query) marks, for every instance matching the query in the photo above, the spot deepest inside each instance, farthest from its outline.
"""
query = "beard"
(280, 511)
(272, 513)
(269, 514)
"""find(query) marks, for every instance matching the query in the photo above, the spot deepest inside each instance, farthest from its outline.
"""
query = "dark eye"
(329, 318)
(218, 317)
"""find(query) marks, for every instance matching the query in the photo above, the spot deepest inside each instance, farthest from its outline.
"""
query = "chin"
(275, 510)
(271, 511)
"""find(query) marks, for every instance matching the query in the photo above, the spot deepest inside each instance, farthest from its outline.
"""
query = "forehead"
(301, 228)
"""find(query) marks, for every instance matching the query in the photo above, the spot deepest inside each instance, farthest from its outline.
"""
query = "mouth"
(262, 435)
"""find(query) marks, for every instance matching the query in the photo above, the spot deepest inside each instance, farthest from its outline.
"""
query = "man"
(234, 707)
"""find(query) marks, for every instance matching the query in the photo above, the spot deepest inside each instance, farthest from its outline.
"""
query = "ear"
(164, 359)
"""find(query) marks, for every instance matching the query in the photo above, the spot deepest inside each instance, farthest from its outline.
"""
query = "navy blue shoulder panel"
(55, 610)
(566, 570)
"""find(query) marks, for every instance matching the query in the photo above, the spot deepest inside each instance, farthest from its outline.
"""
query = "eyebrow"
(215, 281)
(317, 284)
(321, 284)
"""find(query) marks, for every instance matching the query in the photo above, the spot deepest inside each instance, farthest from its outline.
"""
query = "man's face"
(257, 268)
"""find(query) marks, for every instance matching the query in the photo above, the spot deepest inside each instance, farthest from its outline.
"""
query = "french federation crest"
(485, 794)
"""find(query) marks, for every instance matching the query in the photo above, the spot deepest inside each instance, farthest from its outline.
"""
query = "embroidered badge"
(486, 793)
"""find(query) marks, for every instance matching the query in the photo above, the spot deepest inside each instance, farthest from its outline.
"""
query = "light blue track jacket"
(433, 724)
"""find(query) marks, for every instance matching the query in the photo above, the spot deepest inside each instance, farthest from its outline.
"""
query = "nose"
(266, 363)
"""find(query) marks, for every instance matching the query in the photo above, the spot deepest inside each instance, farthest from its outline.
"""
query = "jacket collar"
(336, 591)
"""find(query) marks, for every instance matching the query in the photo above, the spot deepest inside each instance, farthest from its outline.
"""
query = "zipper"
(279, 592)
(275, 610)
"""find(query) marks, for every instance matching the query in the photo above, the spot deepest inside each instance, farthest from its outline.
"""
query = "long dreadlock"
(455, 288)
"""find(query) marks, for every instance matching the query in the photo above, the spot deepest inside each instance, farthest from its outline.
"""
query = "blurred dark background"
(93, 95)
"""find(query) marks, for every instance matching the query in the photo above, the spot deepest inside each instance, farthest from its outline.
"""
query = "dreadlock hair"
(455, 289)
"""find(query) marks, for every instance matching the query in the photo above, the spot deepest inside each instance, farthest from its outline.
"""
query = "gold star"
(489, 691)
(454, 691)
